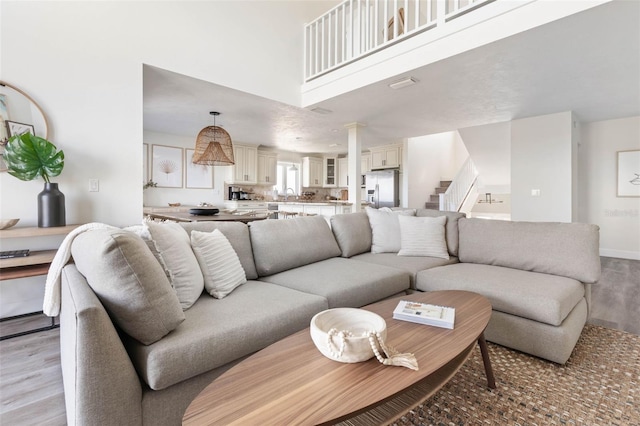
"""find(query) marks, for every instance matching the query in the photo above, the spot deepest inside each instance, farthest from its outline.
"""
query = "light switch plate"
(94, 185)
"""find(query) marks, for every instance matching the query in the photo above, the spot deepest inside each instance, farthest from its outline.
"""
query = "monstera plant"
(28, 157)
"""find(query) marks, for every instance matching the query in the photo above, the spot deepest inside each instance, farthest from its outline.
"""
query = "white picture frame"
(167, 166)
(198, 176)
(628, 173)
(145, 163)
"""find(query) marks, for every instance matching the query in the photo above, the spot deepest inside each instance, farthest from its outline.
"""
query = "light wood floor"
(31, 380)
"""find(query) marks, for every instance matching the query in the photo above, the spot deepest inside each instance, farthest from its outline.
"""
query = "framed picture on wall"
(167, 166)
(145, 163)
(15, 128)
(629, 173)
(198, 176)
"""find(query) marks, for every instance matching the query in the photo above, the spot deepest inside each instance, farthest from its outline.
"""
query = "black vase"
(51, 210)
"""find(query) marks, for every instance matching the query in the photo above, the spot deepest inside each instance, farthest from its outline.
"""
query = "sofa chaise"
(139, 342)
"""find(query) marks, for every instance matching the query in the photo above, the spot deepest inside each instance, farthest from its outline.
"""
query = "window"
(288, 178)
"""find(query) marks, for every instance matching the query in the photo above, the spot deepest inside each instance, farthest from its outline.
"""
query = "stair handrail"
(453, 198)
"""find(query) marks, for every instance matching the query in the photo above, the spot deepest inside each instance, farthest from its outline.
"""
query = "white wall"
(541, 158)
(489, 147)
(82, 62)
(618, 218)
(429, 160)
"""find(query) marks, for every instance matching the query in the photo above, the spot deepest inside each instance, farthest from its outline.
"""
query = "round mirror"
(19, 113)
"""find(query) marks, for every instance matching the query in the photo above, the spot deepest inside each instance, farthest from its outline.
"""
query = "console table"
(37, 263)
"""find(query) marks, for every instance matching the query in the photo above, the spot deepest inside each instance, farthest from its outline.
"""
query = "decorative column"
(355, 164)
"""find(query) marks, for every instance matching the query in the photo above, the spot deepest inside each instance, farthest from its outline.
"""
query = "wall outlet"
(535, 192)
(94, 185)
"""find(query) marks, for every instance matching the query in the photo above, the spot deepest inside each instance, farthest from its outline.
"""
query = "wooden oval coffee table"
(291, 382)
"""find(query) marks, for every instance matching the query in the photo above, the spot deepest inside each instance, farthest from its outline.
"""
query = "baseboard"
(620, 254)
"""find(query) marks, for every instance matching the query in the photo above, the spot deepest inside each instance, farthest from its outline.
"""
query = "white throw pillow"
(219, 262)
(385, 229)
(423, 236)
(174, 245)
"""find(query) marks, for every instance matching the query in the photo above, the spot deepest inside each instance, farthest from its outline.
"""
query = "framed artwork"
(145, 163)
(198, 175)
(629, 173)
(3, 165)
(15, 128)
(4, 115)
(167, 166)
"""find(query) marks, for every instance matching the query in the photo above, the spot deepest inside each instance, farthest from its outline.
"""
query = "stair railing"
(458, 191)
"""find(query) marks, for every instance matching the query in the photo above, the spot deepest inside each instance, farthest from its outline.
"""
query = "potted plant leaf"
(28, 157)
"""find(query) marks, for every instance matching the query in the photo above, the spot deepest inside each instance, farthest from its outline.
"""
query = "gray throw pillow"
(129, 282)
(174, 244)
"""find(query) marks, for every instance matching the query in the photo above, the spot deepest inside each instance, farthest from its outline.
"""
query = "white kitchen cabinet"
(246, 168)
(385, 157)
(330, 172)
(365, 163)
(343, 172)
(311, 172)
(267, 168)
(342, 209)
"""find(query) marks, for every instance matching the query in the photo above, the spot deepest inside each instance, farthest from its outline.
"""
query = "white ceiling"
(588, 63)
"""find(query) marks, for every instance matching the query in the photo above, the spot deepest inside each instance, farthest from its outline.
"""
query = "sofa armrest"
(100, 383)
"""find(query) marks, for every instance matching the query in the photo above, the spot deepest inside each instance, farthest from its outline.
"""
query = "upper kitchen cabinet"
(386, 157)
(365, 163)
(246, 168)
(267, 168)
(312, 172)
(330, 172)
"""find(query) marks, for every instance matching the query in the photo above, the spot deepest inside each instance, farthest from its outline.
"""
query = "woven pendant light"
(213, 146)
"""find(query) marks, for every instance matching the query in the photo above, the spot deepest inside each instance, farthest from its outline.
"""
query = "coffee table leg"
(491, 381)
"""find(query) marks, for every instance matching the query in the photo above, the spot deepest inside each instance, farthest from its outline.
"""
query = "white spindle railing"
(356, 28)
(457, 192)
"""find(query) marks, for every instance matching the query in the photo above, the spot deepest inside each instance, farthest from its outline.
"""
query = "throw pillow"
(219, 263)
(423, 236)
(174, 245)
(385, 229)
(129, 283)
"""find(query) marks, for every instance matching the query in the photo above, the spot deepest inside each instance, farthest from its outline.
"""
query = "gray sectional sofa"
(535, 275)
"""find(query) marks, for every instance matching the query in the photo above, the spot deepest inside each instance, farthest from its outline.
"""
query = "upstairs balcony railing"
(357, 28)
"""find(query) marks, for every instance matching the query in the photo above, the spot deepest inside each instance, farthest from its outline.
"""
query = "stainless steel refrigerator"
(383, 188)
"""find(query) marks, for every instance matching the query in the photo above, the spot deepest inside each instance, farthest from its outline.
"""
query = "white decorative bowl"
(7, 223)
(349, 340)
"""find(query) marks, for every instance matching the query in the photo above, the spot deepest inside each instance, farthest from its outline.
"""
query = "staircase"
(434, 199)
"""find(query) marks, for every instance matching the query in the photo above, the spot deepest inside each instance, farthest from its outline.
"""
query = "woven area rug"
(599, 385)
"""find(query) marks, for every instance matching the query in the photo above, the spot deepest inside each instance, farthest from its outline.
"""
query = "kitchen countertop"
(294, 202)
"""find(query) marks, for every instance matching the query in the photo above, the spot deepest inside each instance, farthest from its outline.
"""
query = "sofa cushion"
(451, 228)
(175, 246)
(352, 232)
(218, 261)
(385, 229)
(238, 235)
(279, 245)
(423, 236)
(410, 264)
(540, 297)
(129, 282)
(567, 249)
(344, 282)
(218, 331)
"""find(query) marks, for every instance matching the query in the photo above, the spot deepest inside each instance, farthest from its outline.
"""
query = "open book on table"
(423, 313)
